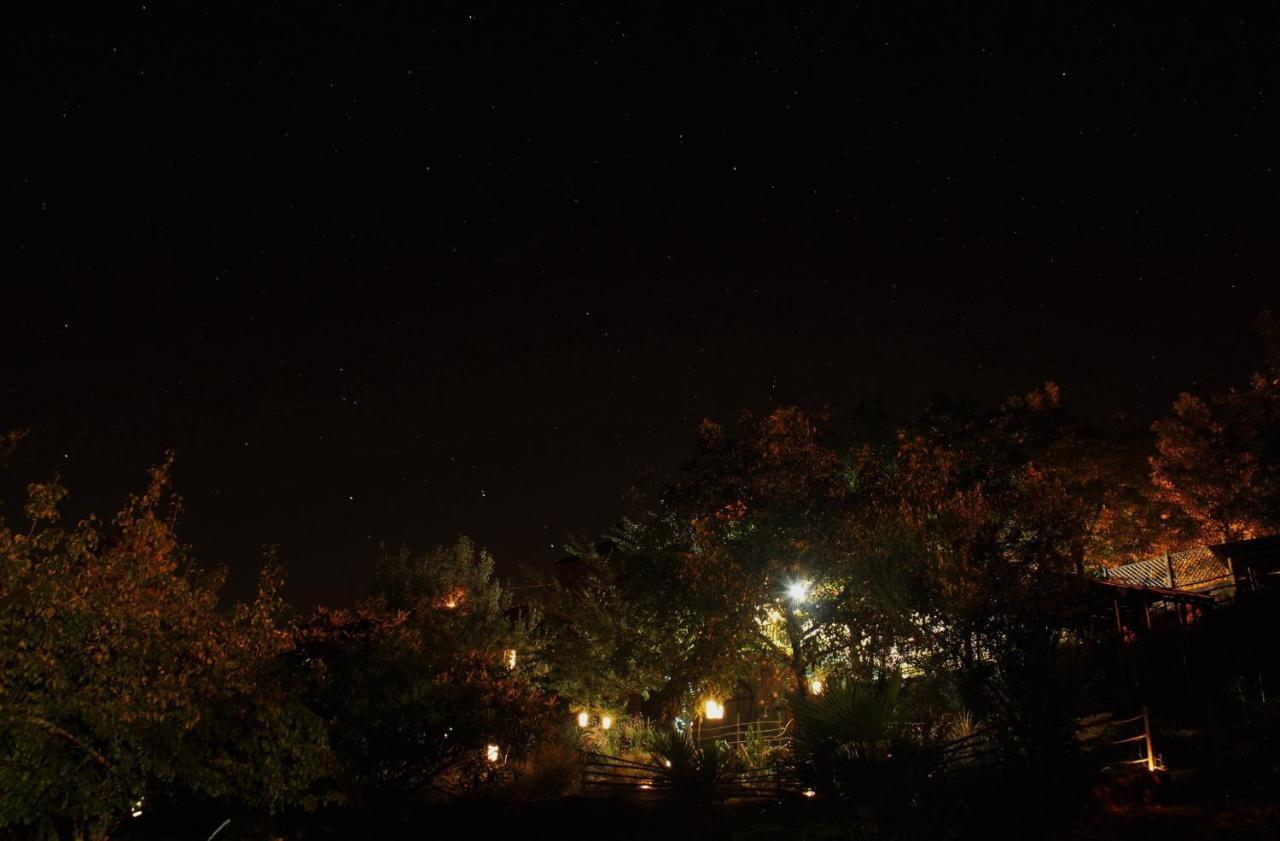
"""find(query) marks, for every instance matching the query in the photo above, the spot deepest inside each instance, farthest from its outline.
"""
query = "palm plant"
(695, 774)
(853, 744)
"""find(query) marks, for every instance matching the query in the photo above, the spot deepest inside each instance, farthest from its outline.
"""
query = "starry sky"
(383, 271)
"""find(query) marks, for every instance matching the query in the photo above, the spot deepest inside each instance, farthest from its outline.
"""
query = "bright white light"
(137, 808)
(584, 719)
(810, 793)
(713, 709)
(606, 722)
(815, 687)
(493, 754)
(798, 591)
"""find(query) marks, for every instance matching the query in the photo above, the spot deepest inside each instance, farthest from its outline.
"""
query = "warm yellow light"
(605, 722)
(492, 753)
(815, 686)
(810, 793)
(583, 719)
(713, 709)
(509, 657)
(798, 591)
(137, 808)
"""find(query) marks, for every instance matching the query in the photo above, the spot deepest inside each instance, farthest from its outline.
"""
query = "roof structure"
(1197, 570)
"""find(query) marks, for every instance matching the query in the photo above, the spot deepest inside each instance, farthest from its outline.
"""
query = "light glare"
(798, 591)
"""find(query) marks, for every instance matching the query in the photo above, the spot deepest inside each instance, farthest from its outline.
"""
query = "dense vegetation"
(796, 552)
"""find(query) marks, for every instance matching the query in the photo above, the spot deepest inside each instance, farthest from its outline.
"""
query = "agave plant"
(854, 744)
(696, 774)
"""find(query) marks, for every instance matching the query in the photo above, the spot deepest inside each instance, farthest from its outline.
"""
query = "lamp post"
(797, 593)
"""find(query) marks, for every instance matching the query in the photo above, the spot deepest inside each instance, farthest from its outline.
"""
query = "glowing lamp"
(810, 793)
(798, 591)
(583, 719)
(509, 657)
(137, 808)
(815, 687)
(492, 753)
(713, 709)
(606, 722)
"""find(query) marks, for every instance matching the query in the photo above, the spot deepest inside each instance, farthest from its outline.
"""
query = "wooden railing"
(774, 734)
(1133, 735)
(604, 774)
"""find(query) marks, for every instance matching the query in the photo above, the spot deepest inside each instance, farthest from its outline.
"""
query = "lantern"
(713, 709)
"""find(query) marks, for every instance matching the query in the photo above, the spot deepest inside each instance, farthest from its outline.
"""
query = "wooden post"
(1146, 731)
(1173, 579)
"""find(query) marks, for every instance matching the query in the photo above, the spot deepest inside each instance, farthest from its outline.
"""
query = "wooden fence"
(612, 775)
(1108, 741)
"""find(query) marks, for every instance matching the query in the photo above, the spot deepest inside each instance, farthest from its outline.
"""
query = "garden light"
(583, 719)
(713, 709)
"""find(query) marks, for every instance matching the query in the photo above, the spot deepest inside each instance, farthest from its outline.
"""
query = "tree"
(416, 682)
(603, 641)
(999, 527)
(738, 568)
(1217, 460)
(119, 679)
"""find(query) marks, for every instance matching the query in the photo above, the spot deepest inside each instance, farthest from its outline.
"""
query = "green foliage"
(414, 683)
(118, 677)
(856, 750)
(697, 774)
(550, 770)
(603, 640)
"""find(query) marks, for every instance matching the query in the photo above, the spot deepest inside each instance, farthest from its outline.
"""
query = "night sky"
(384, 271)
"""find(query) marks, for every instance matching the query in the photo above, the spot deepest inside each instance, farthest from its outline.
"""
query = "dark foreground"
(1136, 808)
